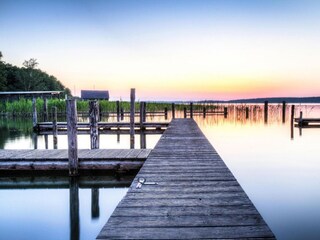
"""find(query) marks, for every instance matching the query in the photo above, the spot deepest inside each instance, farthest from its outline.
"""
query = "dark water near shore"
(279, 173)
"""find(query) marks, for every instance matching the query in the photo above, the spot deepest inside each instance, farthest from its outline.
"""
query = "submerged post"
(283, 111)
(72, 137)
(266, 111)
(118, 110)
(45, 109)
(54, 128)
(191, 110)
(93, 122)
(173, 111)
(34, 113)
(132, 114)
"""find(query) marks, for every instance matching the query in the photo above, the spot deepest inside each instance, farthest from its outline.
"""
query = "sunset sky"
(169, 50)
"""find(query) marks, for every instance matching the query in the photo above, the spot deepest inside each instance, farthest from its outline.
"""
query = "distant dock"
(185, 191)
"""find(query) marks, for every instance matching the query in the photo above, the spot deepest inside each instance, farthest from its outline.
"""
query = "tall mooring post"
(34, 113)
(55, 127)
(142, 117)
(266, 103)
(93, 122)
(72, 137)
(132, 114)
(191, 110)
(292, 121)
(173, 111)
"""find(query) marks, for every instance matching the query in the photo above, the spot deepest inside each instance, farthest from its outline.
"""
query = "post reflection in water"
(74, 209)
(95, 210)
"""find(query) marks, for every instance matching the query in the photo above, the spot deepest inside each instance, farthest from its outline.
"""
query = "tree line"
(28, 78)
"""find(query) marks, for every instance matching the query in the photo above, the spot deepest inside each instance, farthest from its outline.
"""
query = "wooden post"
(72, 137)
(121, 113)
(54, 128)
(266, 111)
(185, 112)
(118, 136)
(34, 112)
(300, 119)
(95, 210)
(93, 122)
(132, 114)
(74, 209)
(173, 111)
(45, 109)
(46, 141)
(143, 144)
(165, 113)
(292, 121)
(204, 112)
(191, 110)
(35, 140)
(100, 113)
(144, 112)
(141, 114)
(118, 110)
(225, 112)
(283, 111)
(247, 112)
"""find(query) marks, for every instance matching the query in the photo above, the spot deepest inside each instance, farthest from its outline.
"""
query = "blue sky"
(169, 49)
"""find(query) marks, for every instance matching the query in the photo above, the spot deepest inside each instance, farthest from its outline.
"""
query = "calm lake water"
(279, 173)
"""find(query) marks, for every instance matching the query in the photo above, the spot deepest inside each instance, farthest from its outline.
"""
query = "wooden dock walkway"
(195, 195)
(89, 159)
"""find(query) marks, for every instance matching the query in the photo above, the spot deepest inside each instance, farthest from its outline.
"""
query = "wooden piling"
(266, 103)
(118, 110)
(204, 112)
(141, 113)
(55, 128)
(247, 112)
(34, 113)
(292, 121)
(121, 114)
(45, 109)
(93, 122)
(165, 113)
(300, 119)
(283, 111)
(95, 210)
(143, 143)
(144, 112)
(225, 112)
(173, 111)
(132, 114)
(72, 137)
(185, 112)
(191, 110)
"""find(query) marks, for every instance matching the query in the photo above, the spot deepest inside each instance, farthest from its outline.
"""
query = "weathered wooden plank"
(186, 232)
(195, 195)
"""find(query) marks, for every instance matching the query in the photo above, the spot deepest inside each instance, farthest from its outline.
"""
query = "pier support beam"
(132, 114)
(93, 122)
(72, 137)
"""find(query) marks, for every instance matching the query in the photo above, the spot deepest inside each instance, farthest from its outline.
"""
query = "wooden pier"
(187, 192)
(118, 160)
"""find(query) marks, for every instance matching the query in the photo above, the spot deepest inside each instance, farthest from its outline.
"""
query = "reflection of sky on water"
(279, 174)
(44, 214)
